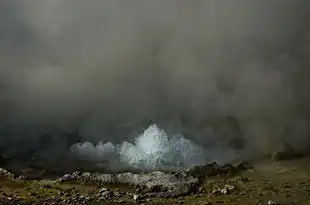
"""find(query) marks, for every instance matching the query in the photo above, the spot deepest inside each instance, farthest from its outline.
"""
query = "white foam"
(153, 149)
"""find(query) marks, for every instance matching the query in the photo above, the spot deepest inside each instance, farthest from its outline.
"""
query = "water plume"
(152, 150)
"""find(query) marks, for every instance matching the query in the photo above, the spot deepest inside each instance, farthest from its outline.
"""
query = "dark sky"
(105, 68)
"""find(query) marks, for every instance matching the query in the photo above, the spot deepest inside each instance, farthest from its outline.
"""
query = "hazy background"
(101, 70)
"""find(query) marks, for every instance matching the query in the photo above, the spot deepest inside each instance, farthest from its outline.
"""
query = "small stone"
(103, 190)
(240, 179)
(229, 187)
(224, 191)
(206, 203)
(138, 190)
(136, 197)
(272, 202)
(201, 190)
(21, 178)
(106, 195)
(216, 191)
(118, 194)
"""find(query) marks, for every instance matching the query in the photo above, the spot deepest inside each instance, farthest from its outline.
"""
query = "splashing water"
(152, 150)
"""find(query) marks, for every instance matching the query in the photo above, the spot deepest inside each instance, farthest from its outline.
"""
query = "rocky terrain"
(268, 182)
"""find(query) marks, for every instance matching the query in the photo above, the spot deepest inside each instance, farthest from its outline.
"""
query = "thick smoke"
(102, 69)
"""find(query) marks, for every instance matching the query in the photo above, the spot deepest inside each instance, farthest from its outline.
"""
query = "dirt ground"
(281, 182)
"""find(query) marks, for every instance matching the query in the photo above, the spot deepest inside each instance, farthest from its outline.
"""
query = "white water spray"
(152, 150)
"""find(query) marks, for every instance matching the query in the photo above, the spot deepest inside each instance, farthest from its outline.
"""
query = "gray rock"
(224, 191)
(210, 169)
(150, 182)
(6, 174)
(216, 191)
(103, 190)
(272, 202)
(136, 197)
(213, 169)
(107, 194)
(160, 181)
(227, 189)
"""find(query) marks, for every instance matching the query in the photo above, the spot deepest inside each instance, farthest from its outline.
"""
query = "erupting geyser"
(152, 150)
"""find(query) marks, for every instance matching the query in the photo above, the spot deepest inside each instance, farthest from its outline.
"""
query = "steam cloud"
(104, 68)
(152, 150)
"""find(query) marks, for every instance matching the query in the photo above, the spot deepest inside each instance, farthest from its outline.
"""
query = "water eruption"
(152, 150)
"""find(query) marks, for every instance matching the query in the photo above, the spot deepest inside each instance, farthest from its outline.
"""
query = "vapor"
(104, 69)
(152, 150)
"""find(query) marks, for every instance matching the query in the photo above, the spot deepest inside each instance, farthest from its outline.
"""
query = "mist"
(103, 70)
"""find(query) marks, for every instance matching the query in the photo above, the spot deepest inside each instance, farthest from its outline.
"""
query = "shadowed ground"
(282, 182)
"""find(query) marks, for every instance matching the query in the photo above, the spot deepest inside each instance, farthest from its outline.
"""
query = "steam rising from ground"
(102, 69)
(153, 149)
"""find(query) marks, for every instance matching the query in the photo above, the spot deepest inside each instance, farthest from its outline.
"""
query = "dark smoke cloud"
(104, 68)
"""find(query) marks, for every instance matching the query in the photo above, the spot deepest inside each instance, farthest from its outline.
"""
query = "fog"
(106, 70)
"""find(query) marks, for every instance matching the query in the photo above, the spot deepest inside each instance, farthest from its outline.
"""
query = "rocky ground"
(267, 182)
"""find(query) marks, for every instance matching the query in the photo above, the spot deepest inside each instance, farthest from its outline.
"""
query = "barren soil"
(281, 182)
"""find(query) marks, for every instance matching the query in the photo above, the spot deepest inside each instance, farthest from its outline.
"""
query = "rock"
(213, 169)
(216, 191)
(118, 194)
(180, 202)
(97, 178)
(69, 177)
(242, 165)
(150, 182)
(103, 190)
(21, 178)
(210, 169)
(106, 195)
(136, 197)
(224, 191)
(201, 190)
(227, 170)
(138, 190)
(206, 203)
(6, 174)
(160, 181)
(162, 184)
(272, 202)
(229, 187)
